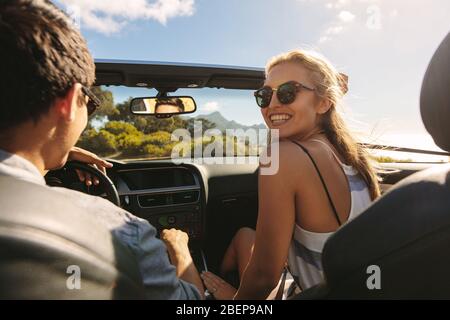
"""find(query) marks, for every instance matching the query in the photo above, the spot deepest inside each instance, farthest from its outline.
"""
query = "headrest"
(435, 96)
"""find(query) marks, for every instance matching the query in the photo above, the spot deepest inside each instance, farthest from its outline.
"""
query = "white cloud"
(337, 4)
(346, 16)
(112, 15)
(211, 106)
(343, 17)
(334, 30)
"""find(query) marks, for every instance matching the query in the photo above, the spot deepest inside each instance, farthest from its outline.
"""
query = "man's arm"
(90, 158)
(159, 276)
(177, 247)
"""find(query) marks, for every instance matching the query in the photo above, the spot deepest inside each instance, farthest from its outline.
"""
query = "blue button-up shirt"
(158, 274)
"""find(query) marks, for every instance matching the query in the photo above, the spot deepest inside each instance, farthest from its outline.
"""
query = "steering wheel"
(67, 177)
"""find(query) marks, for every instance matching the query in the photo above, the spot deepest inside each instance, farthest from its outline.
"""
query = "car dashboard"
(168, 197)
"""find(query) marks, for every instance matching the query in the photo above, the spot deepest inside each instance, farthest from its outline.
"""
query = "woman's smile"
(279, 119)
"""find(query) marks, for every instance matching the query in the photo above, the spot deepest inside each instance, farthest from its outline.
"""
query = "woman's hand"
(89, 158)
(218, 287)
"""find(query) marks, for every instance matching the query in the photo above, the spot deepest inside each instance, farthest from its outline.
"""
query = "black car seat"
(50, 249)
(399, 247)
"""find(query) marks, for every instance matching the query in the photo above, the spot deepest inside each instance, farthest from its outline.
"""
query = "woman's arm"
(276, 219)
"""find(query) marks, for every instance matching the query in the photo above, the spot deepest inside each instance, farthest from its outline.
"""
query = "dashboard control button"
(163, 221)
(171, 220)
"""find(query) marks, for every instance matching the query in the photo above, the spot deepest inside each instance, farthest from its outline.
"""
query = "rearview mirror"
(164, 106)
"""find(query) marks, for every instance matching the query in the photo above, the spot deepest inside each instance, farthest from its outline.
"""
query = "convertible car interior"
(212, 201)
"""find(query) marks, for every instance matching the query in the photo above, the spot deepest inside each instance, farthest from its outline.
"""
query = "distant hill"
(223, 124)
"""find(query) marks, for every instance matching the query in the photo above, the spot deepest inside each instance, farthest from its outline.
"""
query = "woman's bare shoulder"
(293, 161)
(321, 150)
(292, 154)
(290, 158)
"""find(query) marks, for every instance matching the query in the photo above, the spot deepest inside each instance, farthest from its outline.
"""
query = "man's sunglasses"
(93, 102)
(286, 93)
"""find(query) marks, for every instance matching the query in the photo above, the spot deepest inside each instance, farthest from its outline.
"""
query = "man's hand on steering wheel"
(91, 159)
(88, 168)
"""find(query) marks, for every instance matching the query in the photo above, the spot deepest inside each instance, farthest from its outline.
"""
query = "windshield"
(115, 133)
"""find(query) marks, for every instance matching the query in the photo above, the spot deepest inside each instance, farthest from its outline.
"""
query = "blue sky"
(383, 45)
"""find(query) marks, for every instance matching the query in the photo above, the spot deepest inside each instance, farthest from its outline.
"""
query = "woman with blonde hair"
(324, 180)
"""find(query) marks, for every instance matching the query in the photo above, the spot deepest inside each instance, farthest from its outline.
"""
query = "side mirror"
(163, 107)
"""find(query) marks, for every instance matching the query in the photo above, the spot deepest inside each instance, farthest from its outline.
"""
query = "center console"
(168, 197)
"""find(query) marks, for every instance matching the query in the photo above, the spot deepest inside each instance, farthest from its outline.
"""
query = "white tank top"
(305, 251)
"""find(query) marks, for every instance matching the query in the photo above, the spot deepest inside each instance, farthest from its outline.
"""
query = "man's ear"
(66, 106)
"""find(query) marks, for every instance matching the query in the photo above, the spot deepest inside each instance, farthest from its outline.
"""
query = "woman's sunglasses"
(93, 102)
(286, 93)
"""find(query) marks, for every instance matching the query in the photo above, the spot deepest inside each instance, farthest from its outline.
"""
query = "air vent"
(185, 197)
(168, 199)
(154, 200)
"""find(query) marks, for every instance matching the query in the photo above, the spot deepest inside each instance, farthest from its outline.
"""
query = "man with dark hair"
(169, 105)
(44, 105)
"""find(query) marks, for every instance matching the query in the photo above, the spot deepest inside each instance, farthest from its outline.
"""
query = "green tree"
(131, 145)
(122, 112)
(158, 144)
(107, 106)
(102, 143)
(160, 138)
(128, 138)
(206, 125)
(121, 127)
(155, 151)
